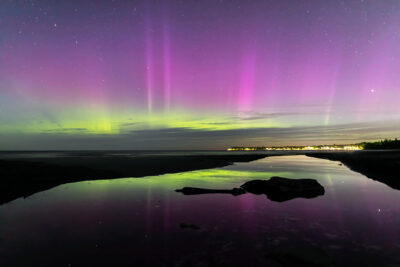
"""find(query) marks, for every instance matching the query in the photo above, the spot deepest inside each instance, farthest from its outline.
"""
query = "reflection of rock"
(282, 189)
(300, 256)
(190, 226)
(197, 191)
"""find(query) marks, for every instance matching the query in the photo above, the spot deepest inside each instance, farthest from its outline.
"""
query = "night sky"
(187, 74)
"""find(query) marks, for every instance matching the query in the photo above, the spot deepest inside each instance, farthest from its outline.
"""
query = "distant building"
(321, 147)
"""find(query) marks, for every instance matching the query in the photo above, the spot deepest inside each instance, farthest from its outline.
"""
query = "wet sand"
(24, 177)
(382, 165)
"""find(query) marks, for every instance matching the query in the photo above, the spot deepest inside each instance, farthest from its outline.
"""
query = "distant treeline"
(383, 144)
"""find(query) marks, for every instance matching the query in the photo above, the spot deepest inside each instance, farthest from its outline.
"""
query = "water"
(126, 153)
(137, 221)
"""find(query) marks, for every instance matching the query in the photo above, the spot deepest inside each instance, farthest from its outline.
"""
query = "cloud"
(66, 130)
(251, 115)
(186, 138)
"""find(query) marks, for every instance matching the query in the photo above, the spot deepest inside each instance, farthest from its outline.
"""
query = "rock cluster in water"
(282, 189)
(276, 189)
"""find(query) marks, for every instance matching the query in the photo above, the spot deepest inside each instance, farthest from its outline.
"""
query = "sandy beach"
(23, 177)
(382, 165)
(26, 176)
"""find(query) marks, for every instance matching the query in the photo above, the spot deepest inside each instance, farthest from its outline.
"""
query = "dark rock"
(197, 191)
(282, 189)
(190, 226)
(238, 191)
(309, 256)
(276, 188)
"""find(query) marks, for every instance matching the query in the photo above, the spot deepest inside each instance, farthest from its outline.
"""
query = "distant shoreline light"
(324, 147)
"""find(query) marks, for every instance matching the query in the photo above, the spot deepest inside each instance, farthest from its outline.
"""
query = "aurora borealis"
(197, 74)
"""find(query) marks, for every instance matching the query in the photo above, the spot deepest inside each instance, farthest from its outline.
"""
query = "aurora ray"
(107, 69)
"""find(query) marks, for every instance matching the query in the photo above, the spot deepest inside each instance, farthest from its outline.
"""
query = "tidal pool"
(138, 221)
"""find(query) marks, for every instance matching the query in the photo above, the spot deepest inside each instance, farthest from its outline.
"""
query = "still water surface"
(137, 220)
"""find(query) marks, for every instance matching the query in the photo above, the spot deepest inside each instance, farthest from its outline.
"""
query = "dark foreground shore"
(24, 177)
(382, 166)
